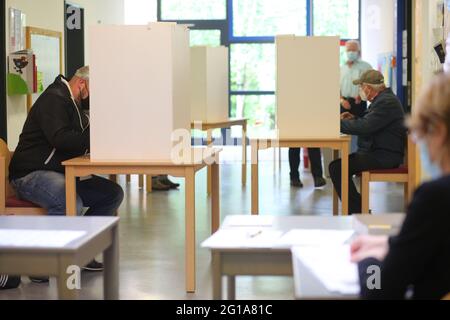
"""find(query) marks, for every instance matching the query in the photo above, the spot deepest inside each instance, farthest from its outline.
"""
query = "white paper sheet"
(249, 221)
(307, 237)
(38, 238)
(332, 267)
(243, 238)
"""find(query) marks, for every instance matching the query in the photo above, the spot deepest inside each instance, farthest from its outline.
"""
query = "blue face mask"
(429, 166)
(352, 56)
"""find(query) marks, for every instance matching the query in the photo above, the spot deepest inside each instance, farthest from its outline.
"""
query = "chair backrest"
(5, 159)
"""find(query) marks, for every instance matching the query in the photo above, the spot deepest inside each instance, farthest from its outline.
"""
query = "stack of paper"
(332, 267)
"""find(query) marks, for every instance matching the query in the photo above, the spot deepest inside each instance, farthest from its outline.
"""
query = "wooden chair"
(406, 174)
(9, 203)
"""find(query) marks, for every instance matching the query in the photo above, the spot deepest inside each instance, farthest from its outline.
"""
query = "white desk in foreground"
(263, 258)
(52, 257)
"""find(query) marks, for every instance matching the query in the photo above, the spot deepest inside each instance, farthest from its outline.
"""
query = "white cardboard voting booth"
(139, 90)
(308, 90)
(209, 84)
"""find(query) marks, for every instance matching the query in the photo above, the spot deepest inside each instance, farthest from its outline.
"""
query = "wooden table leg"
(208, 181)
(141, 181)
(345, 179)
(231, 287)
(113, 177)
(215, 195)
(68, 279)
(255, 179)
(217, 276)
(190, 230)
(71, 192)
(149, 184)
(111, 273)
(335, 195)
(244, 154)
(128, 178)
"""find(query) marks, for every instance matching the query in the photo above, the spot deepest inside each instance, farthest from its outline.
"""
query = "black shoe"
(40, 279)
(157, 185)
(169, 183)
(319, 182)
(296, 184)
(94, 266)
(9, 282)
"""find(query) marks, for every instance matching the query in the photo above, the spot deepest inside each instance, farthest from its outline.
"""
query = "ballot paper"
(243, 238)
(331, 265)
(38, 238)
(309, 237)
(249, 221)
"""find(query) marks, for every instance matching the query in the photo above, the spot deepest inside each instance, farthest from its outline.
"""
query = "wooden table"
(209, 126)
(341, 144)
(83, 166)
(270, 260)
(101, 236)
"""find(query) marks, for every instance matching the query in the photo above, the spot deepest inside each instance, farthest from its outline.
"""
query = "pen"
(253, 235)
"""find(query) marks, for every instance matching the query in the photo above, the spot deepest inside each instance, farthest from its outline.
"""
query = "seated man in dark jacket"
(381, 132)
(57, 129)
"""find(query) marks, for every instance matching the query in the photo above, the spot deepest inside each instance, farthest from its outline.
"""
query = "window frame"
(228, 38)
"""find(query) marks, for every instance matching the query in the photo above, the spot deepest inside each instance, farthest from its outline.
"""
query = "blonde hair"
(433, 107)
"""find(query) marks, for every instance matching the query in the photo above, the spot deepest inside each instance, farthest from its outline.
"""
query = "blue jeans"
(47, 189)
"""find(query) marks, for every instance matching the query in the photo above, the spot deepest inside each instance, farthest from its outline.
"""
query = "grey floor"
(152, 234)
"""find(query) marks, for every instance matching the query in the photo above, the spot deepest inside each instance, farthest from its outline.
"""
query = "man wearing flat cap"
(381, 131)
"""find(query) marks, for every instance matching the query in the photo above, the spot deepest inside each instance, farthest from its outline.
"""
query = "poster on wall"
(17, 23)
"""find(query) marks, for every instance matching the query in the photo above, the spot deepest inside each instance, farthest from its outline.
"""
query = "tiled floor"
(152, 234)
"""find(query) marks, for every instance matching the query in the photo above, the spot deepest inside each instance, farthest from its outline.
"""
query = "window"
(248, 28)
(257, 18)
(193, 9)
(336, 18)
(209, 38)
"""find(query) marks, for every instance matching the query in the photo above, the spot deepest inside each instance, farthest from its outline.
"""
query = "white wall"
(377, 29)
(138, 12)
(49, 14)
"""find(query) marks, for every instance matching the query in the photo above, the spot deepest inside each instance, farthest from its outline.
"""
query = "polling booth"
(209, 84)
(308, 92)
(139, 86)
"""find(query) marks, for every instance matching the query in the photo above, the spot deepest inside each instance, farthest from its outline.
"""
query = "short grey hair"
(376, 87)
(356, 42)
(83, 73)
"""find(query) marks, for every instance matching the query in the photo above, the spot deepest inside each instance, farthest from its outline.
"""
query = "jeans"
(358, 162)
(315, 156)
(47, 189)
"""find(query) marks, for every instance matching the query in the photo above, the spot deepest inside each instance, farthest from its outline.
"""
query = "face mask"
(363, 95)
(352, 56)
(430, 167)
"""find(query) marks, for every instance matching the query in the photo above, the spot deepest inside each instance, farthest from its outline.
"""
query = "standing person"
(352, 70)
(315, 157)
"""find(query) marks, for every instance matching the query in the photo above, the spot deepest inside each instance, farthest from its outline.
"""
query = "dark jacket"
(381, 130)
(419, 257)
(56, 130)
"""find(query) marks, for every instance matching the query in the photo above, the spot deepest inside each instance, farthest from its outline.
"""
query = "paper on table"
(243, 238)
(38, 238)
(307, 237)
(249, 221)
(332, 267)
